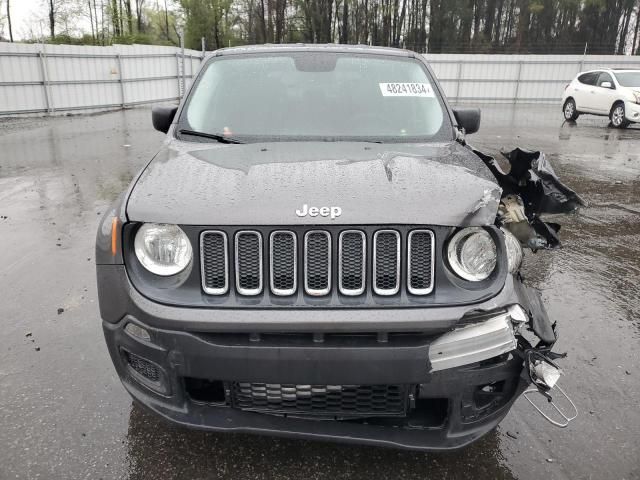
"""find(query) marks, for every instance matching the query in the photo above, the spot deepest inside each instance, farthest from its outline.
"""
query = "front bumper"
(632, 111)
(452, 402)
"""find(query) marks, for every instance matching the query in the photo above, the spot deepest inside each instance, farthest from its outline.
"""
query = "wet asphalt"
(65, 415)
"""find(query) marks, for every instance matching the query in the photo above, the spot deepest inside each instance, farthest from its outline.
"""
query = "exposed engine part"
(512, 215)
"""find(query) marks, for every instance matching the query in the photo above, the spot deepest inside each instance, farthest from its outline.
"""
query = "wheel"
(617, 116)
(570, 110)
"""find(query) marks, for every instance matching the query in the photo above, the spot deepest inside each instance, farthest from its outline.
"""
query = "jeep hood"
(265, 183)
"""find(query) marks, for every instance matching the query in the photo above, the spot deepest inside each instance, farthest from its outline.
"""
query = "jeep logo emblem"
(333, 212)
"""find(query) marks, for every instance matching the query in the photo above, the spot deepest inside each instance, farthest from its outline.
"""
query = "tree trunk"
(93, 33)
(344, 32)
(9, 21)
(263, 24)
(140, 24)
(95, 14)
(635, 50)
(524, 19)
(121, 16)
(400, 26)
(281, 8)
(52, 20)
(115, 18)
(166, 19)
(625, 30)
(127, 6)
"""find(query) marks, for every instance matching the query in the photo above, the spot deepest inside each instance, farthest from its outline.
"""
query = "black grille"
(143, 367)
(283, 263)
(386, 262)
(352, 263)
(420, 261)
(324, 400)
(317, 263)
(214, 265)
(365, 260)
(249, 262)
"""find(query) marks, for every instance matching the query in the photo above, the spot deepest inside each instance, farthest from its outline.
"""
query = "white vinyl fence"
(516, 78)
(47, 79)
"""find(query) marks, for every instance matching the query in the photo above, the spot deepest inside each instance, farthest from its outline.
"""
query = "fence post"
(184, 84)
(120, 79)
(178, 75)
(458, 81)
(204, 49)
(45, 80)
(517, 92)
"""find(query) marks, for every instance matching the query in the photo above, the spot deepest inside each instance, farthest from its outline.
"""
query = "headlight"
(163, 249)
(472, 254)
(514, 251)
(637, 96)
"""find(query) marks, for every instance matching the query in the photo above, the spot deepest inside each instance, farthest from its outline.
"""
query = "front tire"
(617, 116)
(570, 111)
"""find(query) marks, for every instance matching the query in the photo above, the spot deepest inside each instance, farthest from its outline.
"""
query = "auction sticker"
(406, 90)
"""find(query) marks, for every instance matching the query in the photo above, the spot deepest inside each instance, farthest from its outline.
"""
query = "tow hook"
(544, 375)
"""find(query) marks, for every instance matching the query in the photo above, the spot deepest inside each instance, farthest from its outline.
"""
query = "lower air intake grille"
(321, 400)
(143, 367)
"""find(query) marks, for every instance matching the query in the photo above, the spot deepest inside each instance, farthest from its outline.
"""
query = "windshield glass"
(317, 96)
(628, 79)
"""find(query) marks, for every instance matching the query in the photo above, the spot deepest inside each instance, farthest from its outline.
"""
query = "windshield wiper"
(213, 136)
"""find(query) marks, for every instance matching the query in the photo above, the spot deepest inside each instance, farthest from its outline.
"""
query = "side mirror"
(606, 85)
(468, 118)
(162, 117)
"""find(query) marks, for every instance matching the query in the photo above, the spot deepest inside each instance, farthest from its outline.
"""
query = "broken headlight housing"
(163, 249)
(472, 254)
(514, 251)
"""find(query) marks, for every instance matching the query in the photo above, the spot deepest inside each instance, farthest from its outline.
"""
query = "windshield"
(628, 79)
(317, 96)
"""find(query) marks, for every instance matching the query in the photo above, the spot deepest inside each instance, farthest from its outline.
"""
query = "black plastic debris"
(532, 186)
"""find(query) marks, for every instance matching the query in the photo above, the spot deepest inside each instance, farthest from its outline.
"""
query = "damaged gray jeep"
(316, 252)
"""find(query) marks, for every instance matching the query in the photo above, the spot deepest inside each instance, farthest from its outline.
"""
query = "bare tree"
(52, 18)
(93, 33)
(129, 13)
(139, 6)
(9, 21)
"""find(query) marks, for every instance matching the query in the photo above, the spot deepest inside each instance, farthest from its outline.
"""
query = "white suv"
(611, 92)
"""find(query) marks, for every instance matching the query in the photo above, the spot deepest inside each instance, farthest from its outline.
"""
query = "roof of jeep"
(303, 47)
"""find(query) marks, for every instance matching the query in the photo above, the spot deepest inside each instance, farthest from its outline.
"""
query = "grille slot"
(321, 400)
(386, 262)
(420, 262)
(352, 266)
(215, 262)
(317, 262)
(249, 263)
(283, 263)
